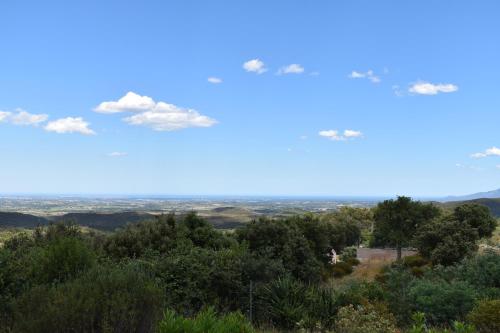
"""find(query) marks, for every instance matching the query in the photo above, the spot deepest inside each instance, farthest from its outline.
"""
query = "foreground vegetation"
(179, 274)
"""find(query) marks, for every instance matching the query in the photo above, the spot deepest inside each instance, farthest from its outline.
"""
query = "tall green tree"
(397, 220)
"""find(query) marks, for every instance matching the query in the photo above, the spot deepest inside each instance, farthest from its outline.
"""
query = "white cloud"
(22, 118)
(117, 154)
(498, 166)
(130, 102)
(331, 134)
(255, 65)
(214, 80)
(291, 69)
(493, 151)
(427, 88)
(303, 137)
(160, 116)
(69, 125)
(336, 136)
(352, 134)
(4, 115)
(365, 75)
(168, 117)
(25, 118)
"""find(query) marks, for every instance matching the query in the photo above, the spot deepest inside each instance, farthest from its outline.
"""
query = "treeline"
(179, 274)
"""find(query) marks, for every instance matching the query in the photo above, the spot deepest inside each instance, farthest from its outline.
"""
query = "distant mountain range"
(495, 194)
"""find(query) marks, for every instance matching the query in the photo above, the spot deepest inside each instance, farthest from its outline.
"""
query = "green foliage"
(105, 299)
(353, 261)
(453, 237)
(419, 326)
(415, 261)
(477, 217)
(63, 259)
(443, 302)
(284, 304)
(396, 221)
(446, 241)
(58, 279)
(364, 318)
(163, 235)
(349, 252)
(197, 277)
(284, 241)
(205, 321)
(341, 269)
(486, 316)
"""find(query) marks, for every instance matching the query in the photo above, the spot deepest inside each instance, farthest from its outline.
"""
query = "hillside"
(20, 220)
(104, 221)
(492, 203)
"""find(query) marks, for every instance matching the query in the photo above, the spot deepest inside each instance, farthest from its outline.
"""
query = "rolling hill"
(492, 203)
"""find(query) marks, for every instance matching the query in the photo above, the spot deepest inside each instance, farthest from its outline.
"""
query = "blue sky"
(315, 98)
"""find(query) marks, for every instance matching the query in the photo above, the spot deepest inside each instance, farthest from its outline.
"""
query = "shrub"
(419, 326)
(414, 261)
(341, 269)
(486, 316)
(443, 302)
(283, 301)
(105, 299)
(205, 322)
(418, 271)
(353, 261)
(364, 318)
(64, 258)
(349, 252)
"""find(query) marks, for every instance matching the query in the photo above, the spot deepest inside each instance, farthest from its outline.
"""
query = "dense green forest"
(179, 274)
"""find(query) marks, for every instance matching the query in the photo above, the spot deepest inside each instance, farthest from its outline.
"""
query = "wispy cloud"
(365, 75)
(69, 125)
(291, 69)
(337, 136)
(159, 116)
(255, 66)
(427, 88)
(22, 118)
(214, 80)
(470, 167)
(117, 154)
(493, 151)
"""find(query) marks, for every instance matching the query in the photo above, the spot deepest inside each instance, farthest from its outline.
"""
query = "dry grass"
(368, 270)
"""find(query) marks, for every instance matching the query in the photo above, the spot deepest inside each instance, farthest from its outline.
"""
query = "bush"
(341, 269)
(205, 322)
(63, 259)
(415, 261)
(349, 252)
(486, 316)
(105, 299)
(197, 277)
(365, 318)
(353, 261)
(284, 304)
(419, 326)
(443, 302)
